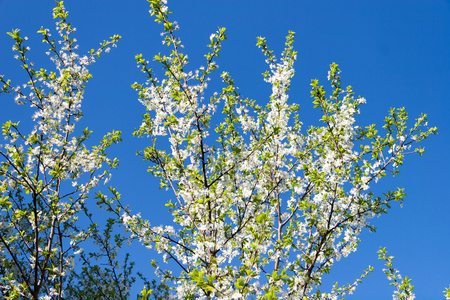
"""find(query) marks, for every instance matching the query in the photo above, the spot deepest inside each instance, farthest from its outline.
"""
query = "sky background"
(394, 53)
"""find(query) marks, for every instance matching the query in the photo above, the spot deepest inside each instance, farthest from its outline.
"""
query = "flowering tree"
(263, 208)
(45, 176)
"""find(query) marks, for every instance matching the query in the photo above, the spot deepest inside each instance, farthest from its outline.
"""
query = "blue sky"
(394, 53)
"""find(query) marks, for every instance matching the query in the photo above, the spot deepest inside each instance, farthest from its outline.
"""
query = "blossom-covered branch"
(45, 175)
(256, 192)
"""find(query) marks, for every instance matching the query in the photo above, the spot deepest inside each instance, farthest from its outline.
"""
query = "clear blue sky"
(394, 53)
